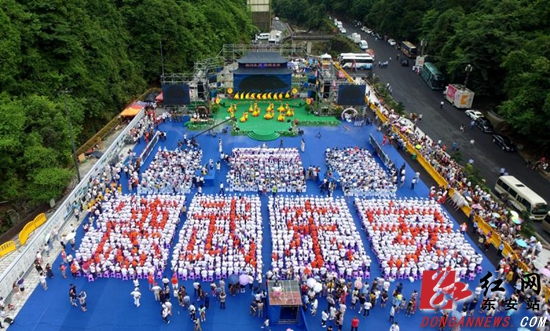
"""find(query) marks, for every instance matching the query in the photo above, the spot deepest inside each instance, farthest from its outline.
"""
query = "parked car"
(504, 142)
(392, 42)
(484, 125)
(473, 114)
(377, 36)
(343, 31)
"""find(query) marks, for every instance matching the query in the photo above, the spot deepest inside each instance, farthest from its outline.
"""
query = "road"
(443, 124)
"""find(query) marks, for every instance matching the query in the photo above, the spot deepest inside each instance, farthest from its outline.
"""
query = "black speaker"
(200, 90)
(326, 90)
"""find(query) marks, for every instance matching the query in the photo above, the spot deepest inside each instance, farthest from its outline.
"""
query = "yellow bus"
(409, 49)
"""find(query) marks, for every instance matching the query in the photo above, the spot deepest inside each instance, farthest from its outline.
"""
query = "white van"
(363, 44)
(262, 36)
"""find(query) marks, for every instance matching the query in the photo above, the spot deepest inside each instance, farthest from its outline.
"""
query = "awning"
(132, 110)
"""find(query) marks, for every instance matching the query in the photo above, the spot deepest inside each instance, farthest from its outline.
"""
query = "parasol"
(318, 287)
(311, 282)
(545, 272)
(477, 206)
(233, 279)
(517, 221)
(495, 215)
(418, 146)
(70, 236)
(243, 279)
(521, 243)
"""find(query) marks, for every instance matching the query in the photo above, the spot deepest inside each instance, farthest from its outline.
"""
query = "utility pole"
(469, 68)
(75, 159)
(423, 43)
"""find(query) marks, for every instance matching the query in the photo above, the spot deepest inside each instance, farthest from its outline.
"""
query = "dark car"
(504, 142)
(484, 125)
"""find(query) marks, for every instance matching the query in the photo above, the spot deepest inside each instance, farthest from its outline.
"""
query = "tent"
(133, 109)
(159, 97)
(326, 56)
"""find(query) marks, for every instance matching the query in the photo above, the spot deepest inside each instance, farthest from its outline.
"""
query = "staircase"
(263, 135)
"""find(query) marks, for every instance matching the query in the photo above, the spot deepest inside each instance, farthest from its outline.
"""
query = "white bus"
(521, 197)
(356, 60)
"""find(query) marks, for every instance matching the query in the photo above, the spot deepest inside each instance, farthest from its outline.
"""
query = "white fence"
(27, 253)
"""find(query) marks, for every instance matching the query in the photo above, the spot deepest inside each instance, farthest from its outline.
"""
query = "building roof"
(262, 57)
(262, 71)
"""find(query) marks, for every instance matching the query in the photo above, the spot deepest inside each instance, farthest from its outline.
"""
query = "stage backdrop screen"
(351, 95)
(262, 83)
(175, 95)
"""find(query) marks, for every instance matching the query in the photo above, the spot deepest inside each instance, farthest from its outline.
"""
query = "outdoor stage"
(262, 129)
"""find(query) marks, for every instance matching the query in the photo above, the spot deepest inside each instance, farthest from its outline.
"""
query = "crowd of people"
(360, 174)
(266, 170)
(222, 235)
(171, 172)
(412, 235)
(129, 237)
(315, 236)
(484, 205)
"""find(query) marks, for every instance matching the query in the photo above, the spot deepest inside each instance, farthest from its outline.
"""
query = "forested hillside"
(506, 41)
(105, 52)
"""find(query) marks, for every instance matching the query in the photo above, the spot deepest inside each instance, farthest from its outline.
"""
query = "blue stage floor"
(110, 305)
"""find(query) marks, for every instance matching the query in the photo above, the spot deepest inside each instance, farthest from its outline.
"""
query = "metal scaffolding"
(233, 52)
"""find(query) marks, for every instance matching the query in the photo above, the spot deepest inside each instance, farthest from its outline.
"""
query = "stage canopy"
(261, 57)
(133, 109)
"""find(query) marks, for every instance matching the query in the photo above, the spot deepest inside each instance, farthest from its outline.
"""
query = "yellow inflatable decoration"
(294, 91)
(237, 96)
(287, 95)
(281, 96)
(250, 109)
(289, 113)
(281, 117)
(275, 96)
(218, 101)
(264, 96)
(247, 96)
(308, 101)
(269, 96)
(281, 108)
(253, 96)
(230, 90)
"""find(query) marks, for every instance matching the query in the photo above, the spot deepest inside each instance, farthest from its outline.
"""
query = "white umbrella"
(70, 236)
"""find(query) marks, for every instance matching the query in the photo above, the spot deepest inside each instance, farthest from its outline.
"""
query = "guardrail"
(482, 224)
(7, 248)
(30, 227)
(24, 261)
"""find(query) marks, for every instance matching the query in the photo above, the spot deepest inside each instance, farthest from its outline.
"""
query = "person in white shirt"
(137, 295)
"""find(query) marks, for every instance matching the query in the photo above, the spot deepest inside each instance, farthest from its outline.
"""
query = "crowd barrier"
(482, 224)
(24, 261)
(7, 248)
(29, 228)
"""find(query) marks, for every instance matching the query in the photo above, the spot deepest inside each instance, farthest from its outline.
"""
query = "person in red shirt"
(354, 323)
